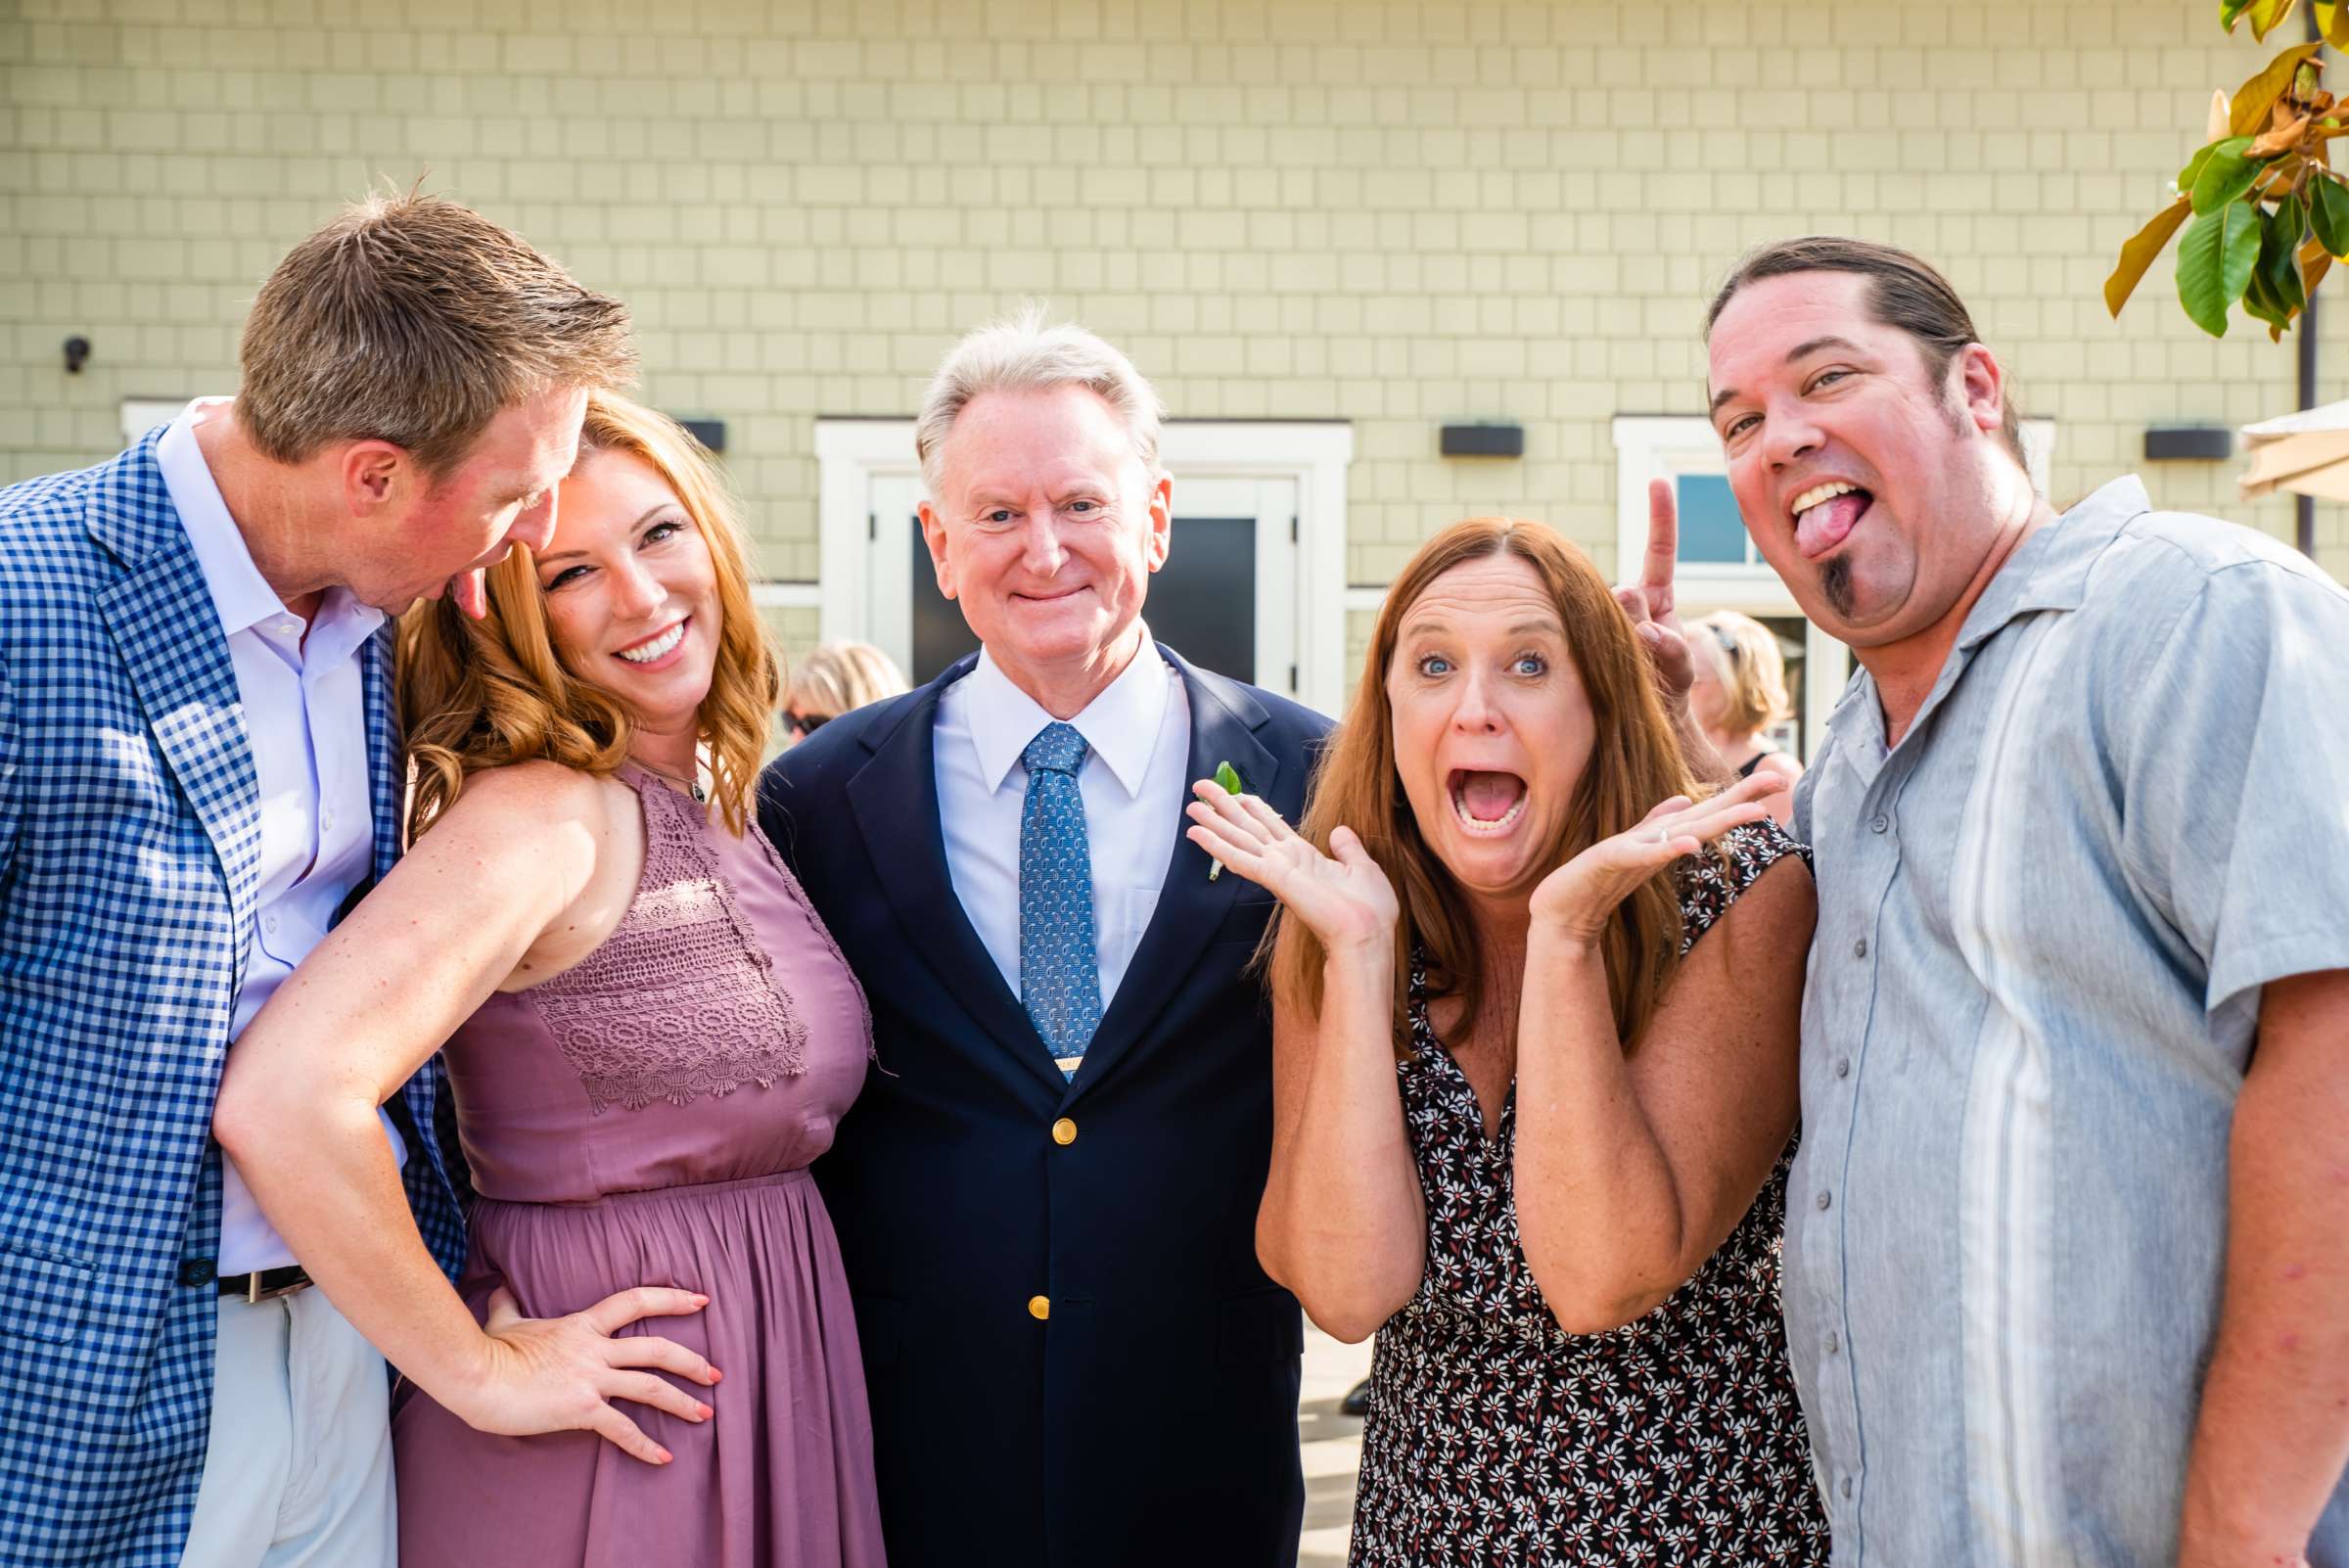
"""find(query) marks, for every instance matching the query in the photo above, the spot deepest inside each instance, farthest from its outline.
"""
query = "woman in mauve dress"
(650, 1357)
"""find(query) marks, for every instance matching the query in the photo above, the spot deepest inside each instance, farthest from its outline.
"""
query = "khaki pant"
(298, 1473)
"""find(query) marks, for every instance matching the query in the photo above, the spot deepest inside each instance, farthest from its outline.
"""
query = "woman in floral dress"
(1535, 1008)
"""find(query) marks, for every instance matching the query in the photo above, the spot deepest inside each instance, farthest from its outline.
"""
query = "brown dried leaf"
(2315, 262)
(2142, 247)
(2256, 99)
(2282, 139)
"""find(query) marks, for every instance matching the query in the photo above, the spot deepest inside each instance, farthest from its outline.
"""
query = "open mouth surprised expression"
(1485, 803)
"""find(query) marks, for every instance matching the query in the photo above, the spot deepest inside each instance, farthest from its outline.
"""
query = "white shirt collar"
(1120, 726)
(240, 593)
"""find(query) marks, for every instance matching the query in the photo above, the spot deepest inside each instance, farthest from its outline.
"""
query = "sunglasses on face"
(804, 725)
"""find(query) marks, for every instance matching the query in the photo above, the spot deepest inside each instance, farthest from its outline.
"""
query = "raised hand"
(1343, 897)
(1578, 897)
(561, 1375)
(1651, 602)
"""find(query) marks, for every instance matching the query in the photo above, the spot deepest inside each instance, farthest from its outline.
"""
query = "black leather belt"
(265, 1284)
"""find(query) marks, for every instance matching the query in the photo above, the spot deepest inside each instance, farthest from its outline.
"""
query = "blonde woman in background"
(835, 678)
(1738, 693)
(650, 1035)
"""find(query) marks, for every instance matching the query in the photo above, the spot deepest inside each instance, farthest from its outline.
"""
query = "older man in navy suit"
(1047, 1195)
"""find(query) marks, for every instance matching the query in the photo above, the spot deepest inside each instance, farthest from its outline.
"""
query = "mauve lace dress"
(647, 1119)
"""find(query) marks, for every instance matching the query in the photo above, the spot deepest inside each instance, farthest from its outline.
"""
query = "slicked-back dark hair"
(1903, 291)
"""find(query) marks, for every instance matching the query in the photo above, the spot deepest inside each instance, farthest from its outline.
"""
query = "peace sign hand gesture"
(1578, 897)
(1343, 897)
(1651, 602)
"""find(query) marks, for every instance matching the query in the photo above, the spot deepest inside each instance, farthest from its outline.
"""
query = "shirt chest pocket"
(1121, 916)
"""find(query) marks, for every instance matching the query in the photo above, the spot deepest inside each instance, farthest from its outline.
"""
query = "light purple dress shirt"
(306, 716)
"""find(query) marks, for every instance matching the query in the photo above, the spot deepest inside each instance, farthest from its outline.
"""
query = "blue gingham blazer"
(130, 845)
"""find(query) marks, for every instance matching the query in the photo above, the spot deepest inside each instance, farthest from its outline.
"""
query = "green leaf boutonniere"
(1230, 777)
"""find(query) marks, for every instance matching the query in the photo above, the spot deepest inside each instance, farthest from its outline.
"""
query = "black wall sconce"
(710, 433)
(2189, 444)
(1481, 441)
(77, 354)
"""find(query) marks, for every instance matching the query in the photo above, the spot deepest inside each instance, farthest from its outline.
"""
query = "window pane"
(1710, 529)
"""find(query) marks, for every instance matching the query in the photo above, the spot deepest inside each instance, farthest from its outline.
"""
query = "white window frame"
(851, 453)
(1670, 445)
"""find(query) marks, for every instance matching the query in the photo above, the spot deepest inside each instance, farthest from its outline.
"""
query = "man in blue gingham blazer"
(130, 835)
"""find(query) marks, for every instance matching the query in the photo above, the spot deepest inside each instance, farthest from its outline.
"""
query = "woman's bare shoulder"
(531, 799)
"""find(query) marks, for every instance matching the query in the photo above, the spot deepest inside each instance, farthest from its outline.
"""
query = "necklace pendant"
(701, 796)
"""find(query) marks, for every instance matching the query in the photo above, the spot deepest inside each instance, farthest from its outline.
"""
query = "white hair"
(1020, 353)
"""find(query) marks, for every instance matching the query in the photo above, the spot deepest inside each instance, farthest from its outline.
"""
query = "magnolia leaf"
(2215, 259)
(2255, 98)
(2231, 11)
(2263, 15)
(2315, 262)
(2279, 241)
(2226, 176)
(2332, 20)
(2184, 185)
(2261, 303)
(2138, 252)
(2280, 141)
(2328, 215)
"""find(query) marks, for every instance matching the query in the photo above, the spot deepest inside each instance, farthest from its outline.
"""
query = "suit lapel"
(894, 800)
(1190, 907)
(161, 614)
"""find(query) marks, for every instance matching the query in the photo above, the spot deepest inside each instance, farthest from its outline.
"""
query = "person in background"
(1739, 692)
(649, 1035)
(1045, 1200)
(834, 678)
(199, 773)
(1535, 1000)
(2067, 1244)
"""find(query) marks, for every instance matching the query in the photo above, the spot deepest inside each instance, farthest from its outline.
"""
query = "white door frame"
(852, 453)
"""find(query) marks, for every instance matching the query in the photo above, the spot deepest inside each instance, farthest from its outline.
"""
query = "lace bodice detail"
(681, 1000)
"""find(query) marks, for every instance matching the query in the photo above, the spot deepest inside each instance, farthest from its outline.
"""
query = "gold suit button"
(1064, 1131)
(1040, 1308)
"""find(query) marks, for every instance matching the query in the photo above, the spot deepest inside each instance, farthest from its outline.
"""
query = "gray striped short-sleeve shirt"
(2043, 922)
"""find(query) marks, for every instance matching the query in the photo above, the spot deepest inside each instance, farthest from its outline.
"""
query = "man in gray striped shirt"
(2067, 1244)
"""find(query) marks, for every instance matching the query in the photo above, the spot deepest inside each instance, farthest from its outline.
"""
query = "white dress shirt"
(305, 714)
(1134, 781)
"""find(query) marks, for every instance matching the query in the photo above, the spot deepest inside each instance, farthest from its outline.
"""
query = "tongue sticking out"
(1490, 796)
(1827, 525)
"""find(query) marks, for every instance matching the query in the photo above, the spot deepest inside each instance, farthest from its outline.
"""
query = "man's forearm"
(2274, 1431)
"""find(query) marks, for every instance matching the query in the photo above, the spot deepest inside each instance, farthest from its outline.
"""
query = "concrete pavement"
(1333, 1445)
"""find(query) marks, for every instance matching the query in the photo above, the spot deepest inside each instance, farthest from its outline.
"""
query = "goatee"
(1835, 581)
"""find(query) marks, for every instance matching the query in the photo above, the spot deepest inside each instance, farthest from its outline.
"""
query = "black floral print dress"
(1496, 1437)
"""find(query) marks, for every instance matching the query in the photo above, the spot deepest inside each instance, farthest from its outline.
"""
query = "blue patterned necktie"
(1060, 983)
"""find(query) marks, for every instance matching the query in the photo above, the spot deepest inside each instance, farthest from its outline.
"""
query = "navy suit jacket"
(1152, 1416)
